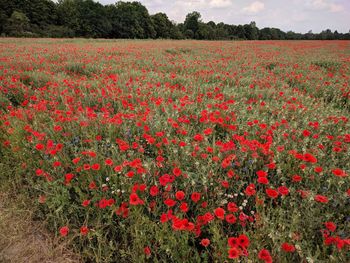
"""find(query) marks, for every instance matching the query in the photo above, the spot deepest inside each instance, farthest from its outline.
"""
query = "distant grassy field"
(181, 151)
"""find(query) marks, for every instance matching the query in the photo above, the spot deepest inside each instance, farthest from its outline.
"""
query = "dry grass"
(24, 240)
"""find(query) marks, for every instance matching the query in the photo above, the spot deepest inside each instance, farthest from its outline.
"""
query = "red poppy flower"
(263, 180)
(42, 199)
(118, 168)
(271, 165)
(288, 247)
(68, 178)
(130, 174)
(108, 162)
(169, 202)
(283, 190)
(306, 133)
(64, 231)
(177, 171)
(95, 166)
(296, 178)
(321, 199)
(232, 242)
(39, 172)
(250, 190)
(231, 219)
(84, 230)
(209, 217)
(243, 241)
(205, 242)
(198, 137)
(76, 160)
(134, 199)
(264, 254)
(92, 186)
(261, 173)
(308, 157)
(85, 203)
(102, 203)
(219, 212)
(331, 226)
(154, 190)
(339, 172)
(195, 197)
(184, 207)
(272, 193)
(233, 253)
(147, 251)
(318, 169)
(232, 207)
(39, 146)
(208, 131)
(180, 195)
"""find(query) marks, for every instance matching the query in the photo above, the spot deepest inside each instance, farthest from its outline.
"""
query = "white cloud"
(254, 8)
(296, 15)
(220, 3)
(319, 4)
(325, 5)
(336, 8)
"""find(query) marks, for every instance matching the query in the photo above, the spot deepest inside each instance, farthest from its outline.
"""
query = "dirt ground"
(24, 240)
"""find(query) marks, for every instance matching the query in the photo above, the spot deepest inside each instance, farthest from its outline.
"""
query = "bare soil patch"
(25, 240)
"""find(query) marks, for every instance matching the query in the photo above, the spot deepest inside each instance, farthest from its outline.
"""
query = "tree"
(326, 34)
(336, 34)
(240, 32)
(163, 26)
(181, 28)
(222, 31)
(7, 7)
(85, 17)
(40, 12)
(251, 31)
(17, 24)
(203, 31)
(309, 35)
(176, 33)
(68, 15)
(93, 20)
(131, 20)
(89, 18)
(112, 16)
(3, 19)
(191, 24)
(268, 33)
(211, 27)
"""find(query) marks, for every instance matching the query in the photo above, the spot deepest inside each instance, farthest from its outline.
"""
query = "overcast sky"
(295, 15)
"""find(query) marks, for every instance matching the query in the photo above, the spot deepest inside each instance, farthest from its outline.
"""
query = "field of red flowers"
(182, 151)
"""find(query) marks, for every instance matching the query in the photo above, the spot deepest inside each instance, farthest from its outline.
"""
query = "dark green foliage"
(164, 27)
(58, 31)
(268, 33)
(85, 18)
(191, 24)
(17, 24)
(39, 14)
(89, 18)
(329, 65)
(130, 20)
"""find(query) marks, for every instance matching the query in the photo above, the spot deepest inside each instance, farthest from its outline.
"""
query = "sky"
(296, 15)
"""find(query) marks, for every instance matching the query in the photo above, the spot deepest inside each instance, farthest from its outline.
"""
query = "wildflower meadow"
(181, 151)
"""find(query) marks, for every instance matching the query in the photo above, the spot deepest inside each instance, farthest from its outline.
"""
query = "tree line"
(90, 19)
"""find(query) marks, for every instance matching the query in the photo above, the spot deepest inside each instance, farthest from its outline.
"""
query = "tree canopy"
(88, 18)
